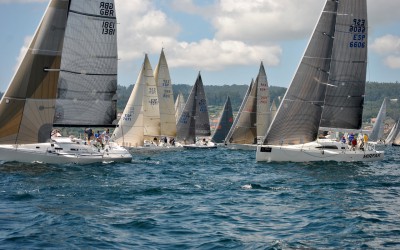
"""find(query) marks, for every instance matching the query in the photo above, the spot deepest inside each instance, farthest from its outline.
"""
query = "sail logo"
(202, 105)
(106, 9)
(372, 156)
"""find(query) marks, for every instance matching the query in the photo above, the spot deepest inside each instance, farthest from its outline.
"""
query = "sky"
(224, 39)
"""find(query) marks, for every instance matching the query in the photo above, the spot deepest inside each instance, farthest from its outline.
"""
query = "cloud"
(388, 47)
(144, 28)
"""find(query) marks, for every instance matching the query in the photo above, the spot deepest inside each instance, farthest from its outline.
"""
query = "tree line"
(375, 92)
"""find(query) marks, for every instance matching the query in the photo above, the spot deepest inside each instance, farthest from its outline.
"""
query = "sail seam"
(92, 15)
(89, 74)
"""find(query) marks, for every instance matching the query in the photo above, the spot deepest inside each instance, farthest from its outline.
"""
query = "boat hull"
(316, 151)
(247, 147)
(194, 146)
(63, 153)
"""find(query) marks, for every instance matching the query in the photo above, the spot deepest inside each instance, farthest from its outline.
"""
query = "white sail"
(263, 103)
(151, 109)
(379, 125)
(130, 132)
(165, 97)
(393, 134)
(179, 106)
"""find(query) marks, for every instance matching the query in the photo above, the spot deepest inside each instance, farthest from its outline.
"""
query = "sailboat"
(254, 115)
(376, 135)
(179, 106)
(193, 128)
(130, 130)
(326, 93)
(393, 137)
(224, 123)
(166, 102)
(68, 77)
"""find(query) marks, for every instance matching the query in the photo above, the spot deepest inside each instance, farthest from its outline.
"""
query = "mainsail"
(393, 134)
(27, 106)
(165, 97)
(130, 132)
(179, 106)
(379, 125)
(225, 122)
(243, 128)
(263, 103)
(88, 73)
(194, 120)
(151, 110)
(328, 87)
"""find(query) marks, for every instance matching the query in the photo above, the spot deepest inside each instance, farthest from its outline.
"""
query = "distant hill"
(216, 96)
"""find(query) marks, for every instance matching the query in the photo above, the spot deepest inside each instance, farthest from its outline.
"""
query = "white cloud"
(392, 62)
(145, 29)
(388, 47)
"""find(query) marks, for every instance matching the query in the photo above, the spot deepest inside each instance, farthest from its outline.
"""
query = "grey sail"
(88, 74)
(344, 99)
(379, 125)
(245, 129)
(194, 120)
(27, 106)
(224, 124)
(328, 87)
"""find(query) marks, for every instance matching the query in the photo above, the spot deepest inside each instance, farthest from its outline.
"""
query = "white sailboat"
(193, 128)
(393, 137)
(326, 91)
(72, 57)
(130, 131)
(376, 135)
(179, 106)
(254, 116)
(166, 103)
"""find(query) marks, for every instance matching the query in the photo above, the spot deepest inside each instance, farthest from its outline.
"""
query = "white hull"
(247, 147)
(201, 145)
(321, 150)
(155, 147)
(63, 151)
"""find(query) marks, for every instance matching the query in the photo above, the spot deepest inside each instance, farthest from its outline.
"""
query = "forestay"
(88, 76)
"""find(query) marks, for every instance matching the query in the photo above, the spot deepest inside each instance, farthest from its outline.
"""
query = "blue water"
(211, 199)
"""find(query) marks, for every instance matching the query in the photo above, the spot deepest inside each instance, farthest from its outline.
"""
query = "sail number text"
(106, 9)
(108, 28)
(358, 29)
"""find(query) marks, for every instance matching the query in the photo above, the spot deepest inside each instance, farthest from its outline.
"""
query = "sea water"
(203, 199)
